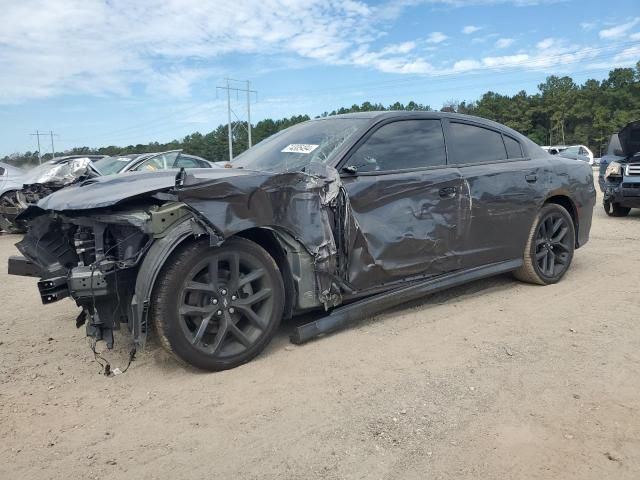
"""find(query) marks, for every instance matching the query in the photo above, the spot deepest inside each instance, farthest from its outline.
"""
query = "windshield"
(111, 165)
(297, 147)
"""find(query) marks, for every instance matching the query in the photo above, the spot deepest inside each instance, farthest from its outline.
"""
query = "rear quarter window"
(514, 149)
(2, 171)
(473, 144)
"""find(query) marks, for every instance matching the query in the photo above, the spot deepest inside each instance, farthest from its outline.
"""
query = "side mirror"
(352, 169)
(618, 152)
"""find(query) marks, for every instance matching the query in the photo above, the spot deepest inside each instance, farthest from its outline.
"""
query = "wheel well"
(8, 191)
(267, 240)
(566, 202)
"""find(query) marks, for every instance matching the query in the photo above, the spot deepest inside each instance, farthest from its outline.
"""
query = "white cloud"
(634, 36)
(436, 37)
(52, 47)
(404, 47)
(504, 42)
(618, 31)
(546, 43)
(628, 54)
(469, 29)
(165, 47)
(587, 25)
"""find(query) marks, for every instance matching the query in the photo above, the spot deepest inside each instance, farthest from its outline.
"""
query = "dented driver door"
(407, 208)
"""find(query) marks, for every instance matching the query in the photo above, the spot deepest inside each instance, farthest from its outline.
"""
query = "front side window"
(474, 144)
(571, 150)
(161, 161)
(401, 145)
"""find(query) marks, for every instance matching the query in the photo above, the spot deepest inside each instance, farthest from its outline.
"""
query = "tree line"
(561, 112)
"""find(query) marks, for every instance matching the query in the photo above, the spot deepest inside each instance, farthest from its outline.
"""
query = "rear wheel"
(550, 247)
(217, 308)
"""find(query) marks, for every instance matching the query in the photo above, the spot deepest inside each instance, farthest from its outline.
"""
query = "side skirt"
(370, 306)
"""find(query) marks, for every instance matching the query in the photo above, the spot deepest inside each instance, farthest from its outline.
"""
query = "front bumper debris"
(22, 267)
(626, 193)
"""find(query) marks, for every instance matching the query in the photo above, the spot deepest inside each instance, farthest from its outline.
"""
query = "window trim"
(507, 150)
(448, 136)
(377, 126)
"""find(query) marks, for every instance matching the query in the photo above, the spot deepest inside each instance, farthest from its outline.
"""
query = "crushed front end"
(621, 185)
(92, 257)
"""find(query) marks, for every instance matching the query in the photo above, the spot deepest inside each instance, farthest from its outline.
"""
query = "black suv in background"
(619, 176)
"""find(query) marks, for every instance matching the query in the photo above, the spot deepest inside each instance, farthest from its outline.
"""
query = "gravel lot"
(494, 380)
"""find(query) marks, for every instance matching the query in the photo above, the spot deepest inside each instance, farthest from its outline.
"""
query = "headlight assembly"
(614, 169)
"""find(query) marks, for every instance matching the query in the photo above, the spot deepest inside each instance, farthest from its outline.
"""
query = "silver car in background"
(61, 172)
(11, 180)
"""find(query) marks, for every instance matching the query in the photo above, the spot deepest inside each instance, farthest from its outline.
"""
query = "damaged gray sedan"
(348, 214)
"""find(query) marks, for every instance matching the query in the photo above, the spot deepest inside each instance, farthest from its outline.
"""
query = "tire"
(221, 324)
(618, 210)
(547, 257)
(7, 223)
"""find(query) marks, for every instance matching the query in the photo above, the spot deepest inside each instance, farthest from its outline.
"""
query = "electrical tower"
(231, 128)
(53, 149)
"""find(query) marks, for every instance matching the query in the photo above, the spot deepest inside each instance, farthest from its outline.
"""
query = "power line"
(230, 110)
(50, 134)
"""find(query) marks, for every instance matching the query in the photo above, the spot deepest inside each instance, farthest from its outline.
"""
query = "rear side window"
(186, 162)
(514, 149)
(476, 144)
(402, 145)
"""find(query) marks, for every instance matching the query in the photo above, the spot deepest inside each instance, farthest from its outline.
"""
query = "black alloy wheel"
(550, 246)
(553, 248)
(217, 308)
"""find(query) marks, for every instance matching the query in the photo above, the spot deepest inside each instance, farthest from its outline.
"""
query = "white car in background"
(576, 152)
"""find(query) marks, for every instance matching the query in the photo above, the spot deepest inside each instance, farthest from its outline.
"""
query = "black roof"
(381, 115)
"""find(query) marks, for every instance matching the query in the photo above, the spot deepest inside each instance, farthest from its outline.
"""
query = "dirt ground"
(494, 380)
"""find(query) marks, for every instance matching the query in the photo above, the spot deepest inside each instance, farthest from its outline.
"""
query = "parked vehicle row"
(619, 175)
(25, 188)
(348, 214)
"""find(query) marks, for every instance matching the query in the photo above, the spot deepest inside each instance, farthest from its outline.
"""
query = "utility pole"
(230, 111)
(44, 134)
(37, 135)
(53, 150)
(229, 120)
(249, 111)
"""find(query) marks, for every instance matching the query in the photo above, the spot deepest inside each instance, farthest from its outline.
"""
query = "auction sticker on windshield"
(299, 148)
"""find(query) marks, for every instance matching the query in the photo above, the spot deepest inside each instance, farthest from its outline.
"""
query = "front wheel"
(549, 248)
(217, 308)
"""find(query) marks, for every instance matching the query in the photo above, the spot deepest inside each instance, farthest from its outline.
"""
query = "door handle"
(448, 192)
(531, 178)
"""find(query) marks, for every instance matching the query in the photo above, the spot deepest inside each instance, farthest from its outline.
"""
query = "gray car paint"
(335, 217)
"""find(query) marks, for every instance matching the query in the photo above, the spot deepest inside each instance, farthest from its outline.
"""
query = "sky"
(120, 72)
